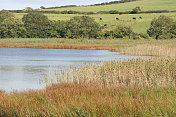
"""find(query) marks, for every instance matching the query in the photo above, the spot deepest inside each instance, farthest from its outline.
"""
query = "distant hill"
(145, 5)
(104, 3)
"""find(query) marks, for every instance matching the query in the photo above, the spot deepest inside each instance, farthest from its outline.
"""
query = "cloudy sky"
(21, 4)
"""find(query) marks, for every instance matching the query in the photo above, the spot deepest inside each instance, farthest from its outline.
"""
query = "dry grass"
(62, 46)
(151, 50)
(82, 100)
(134, 72)
(139, 87)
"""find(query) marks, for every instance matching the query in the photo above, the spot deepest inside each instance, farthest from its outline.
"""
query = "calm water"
(23, 68)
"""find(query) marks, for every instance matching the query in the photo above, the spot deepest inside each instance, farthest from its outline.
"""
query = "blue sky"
(21, 4)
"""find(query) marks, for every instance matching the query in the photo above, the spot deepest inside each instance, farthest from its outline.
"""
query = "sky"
(21, 4)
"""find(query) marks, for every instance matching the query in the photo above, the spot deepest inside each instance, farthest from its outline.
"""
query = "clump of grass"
(135, 72)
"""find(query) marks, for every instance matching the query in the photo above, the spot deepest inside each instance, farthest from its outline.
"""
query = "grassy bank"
(166, 48)
(141, 87)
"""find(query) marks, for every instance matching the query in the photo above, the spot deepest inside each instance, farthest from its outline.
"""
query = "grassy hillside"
(139, 25)
(145, 5)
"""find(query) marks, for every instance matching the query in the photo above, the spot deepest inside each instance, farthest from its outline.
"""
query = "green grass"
(139, 25)
(145, 5)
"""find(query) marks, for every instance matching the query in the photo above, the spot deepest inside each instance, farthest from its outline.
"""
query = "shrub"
(173, 29)
(139, 36)
(122, 31)
(118, 32)
(12, 28)
(107, 34)
(82, 27)
(160, 26)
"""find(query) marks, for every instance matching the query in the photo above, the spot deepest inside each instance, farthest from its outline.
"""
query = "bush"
(139, 36)
(12, 28)
(160, 26)
(118, 32)
(106, 34)
(122, 31)
(173, 29)
(82, 27)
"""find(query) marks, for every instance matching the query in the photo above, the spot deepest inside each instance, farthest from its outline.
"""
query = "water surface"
(23, 68)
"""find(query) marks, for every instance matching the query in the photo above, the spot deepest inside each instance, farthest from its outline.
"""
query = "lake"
(23, 68)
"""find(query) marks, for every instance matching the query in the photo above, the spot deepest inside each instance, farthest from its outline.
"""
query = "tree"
(37, 25)
(42, 7)
(28, 9)
(122, 31)
(135, 10)
(56, 29)
(12, 28)
(82, 27)
(160, 26)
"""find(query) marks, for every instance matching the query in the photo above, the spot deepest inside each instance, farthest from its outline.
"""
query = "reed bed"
(143, 87)
(150, 50)
(135, 72)
(137, 87)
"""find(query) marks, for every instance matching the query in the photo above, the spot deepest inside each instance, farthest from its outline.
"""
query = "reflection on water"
(22, 68)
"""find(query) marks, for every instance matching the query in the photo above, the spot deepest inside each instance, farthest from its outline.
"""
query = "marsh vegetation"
(135, 87)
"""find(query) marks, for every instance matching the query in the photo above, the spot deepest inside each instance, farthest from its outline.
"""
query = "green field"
(146, 5)
(139, 25)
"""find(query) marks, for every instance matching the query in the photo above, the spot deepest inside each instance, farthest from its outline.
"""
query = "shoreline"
(63, 46)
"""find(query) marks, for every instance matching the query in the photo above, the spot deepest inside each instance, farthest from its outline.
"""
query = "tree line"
(37, 25)
(136, 10)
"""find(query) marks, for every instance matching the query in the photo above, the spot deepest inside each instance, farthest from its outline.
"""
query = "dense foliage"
(5, 14)
(118, 32)
(12, 28)
(37, 25)
(82, 26)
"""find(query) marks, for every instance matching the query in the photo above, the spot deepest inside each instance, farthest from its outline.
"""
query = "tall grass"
(141, 87)
(135, 72)
(137, 87)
